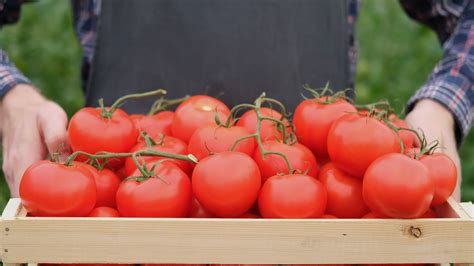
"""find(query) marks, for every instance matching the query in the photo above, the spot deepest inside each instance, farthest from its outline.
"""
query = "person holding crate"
(230, 49)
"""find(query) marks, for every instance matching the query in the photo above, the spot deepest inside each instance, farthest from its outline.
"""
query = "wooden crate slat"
(126, 240)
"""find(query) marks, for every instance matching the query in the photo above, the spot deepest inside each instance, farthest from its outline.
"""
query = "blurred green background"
(395, 57)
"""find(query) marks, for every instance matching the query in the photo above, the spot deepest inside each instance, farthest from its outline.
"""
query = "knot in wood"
(415, 232)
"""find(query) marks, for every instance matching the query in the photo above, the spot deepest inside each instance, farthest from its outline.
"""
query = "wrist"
(435, 109)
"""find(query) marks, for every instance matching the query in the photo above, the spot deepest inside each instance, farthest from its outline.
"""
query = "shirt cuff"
(453, 93)
(9, 77)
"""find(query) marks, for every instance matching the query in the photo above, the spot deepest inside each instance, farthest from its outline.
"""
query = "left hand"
(437, 123)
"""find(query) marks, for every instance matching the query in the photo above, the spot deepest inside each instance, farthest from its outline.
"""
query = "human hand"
(437, 123)
(32, 128)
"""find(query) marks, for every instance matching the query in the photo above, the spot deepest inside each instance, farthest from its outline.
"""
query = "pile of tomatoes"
(330, 159)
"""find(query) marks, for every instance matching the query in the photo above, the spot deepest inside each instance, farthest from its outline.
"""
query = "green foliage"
(396, 56)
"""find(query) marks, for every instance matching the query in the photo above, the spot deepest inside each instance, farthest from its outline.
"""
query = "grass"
(396, 56)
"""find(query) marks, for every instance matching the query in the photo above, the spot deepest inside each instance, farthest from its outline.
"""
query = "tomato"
(167, 195)
(248, 215)
(328, 216)
(268, 129)
(372, 215)
(292, 196)
(227, 183)
(169, 145)
(397, 186)
(444, 173)
(196, 112)
(53, 189)
(407, 137)
(107, 183)
(104, 212)
(154, 125)
(90, 132)
(355, 141)
(301, 159)
(214, 139)
(197, 211)
(344, 193)
(313, 119)
(121, 173)
(429, 214)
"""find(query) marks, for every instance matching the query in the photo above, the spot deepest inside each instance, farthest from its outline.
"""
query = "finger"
(52, 123)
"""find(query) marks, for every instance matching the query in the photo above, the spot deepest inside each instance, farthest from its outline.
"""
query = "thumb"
(52, 123)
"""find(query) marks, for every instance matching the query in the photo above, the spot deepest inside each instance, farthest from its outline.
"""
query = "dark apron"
(230, 49)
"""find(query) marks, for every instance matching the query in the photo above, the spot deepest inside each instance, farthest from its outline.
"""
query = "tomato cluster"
(331, 159)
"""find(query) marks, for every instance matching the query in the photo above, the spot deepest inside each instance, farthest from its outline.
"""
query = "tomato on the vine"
(444, 173)
(107, 183)
(165, 144)
(89, 131)
(268, 129)
(344, 193)
(196, 112)
(355, 141)
(292, 196)
(198, 211)
(300, 158)
(408, 137)
(397, 186)
(227, 183)
(154, 125)
(53, 189)
(104, 212)
(168, 194)
(313, 119)
(214, 139)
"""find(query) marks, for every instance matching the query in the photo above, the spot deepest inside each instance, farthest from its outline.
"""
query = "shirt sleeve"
(451, 82)
(9, 75)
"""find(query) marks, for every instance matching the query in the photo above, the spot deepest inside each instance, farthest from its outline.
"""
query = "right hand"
(32, 128)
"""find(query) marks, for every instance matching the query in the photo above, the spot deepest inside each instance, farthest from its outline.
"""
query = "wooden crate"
(267, 241)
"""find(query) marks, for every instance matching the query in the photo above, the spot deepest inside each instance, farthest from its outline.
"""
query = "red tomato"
(104, 212)
(344, 193)
(372, 215)
(106, 183)
(292, 196)
(314, 117)
(249, 216)
(407, 137)
(197, 211)
(397, 186)
(355, 141)
(196, 112)
(154, 125)
(90, 132)
(227, 183)
(328, 216)
(268, 129)
(52, 189)
(169, 145)
(121, 173)
(429, 214)
(444, 173)
(167, 195)
(301, 159)
(214, 139)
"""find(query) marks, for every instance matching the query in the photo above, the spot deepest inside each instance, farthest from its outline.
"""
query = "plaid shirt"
(451, 82)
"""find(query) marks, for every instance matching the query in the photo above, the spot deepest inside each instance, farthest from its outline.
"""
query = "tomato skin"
(195, 112)
(292, 196)
(444, 173)
(344, 193)
(407, 137)
(121, 173)
(53, 189)
(355, 141)
(227, 183)
(169, 197)
(197, 211)
(107, 183)
(218, 139)
(268, 129)
(372, 215)
(397, 186)
(104, 212)
(329, 216)
(90, 132)
(300, 158)
(154, 125)
(169, 145)
(429, 214)
(248, 215)
(313, 119)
